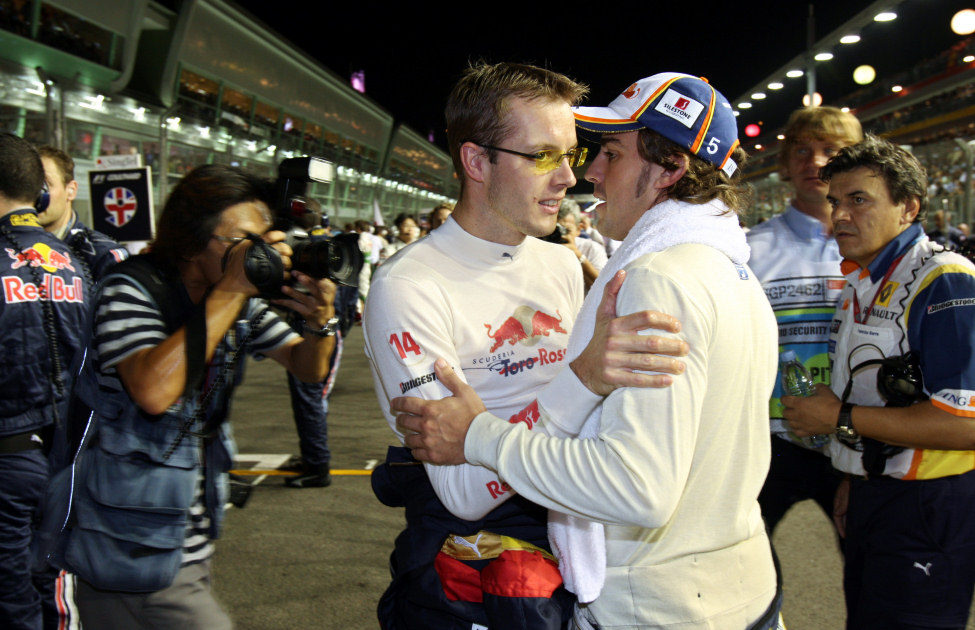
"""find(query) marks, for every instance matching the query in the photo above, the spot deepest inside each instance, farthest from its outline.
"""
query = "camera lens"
(337, 259)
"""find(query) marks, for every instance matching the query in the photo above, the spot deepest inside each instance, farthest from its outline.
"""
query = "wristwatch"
(328, 330)
(844, 425)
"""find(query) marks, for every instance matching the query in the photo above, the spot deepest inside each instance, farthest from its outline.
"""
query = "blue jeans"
(310, 409)
(346, 300)
(24, 478)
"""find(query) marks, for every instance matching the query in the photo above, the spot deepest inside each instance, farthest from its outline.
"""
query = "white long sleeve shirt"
(499, 314)
(674, 473)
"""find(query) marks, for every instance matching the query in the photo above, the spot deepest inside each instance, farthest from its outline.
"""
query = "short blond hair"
(819, 123)
(477, 109)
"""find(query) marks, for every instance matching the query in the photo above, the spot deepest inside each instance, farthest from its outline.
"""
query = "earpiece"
(43, 199)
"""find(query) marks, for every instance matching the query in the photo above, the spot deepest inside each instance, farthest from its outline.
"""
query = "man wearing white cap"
(660, 524)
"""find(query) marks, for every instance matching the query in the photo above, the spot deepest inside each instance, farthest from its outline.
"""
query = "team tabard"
(121, 203)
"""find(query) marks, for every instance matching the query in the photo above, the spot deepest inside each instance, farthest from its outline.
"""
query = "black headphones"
(899, 379)
(900, 383)
(43, 199)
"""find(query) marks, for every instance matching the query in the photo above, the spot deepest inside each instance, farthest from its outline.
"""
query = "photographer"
(591, 255)
(309, 401)
(151, 486)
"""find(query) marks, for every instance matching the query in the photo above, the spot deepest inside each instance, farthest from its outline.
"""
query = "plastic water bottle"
(796, 381)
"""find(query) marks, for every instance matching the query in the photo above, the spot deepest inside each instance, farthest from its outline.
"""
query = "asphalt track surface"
(318, 557)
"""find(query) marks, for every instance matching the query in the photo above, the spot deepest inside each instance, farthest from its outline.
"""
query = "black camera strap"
(875, 452)
(195, 348)
(165, 288)
(210, 425)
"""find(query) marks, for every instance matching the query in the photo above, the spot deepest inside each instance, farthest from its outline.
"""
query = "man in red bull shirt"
(500, 304)
(42, 315)
(657, 491)
(95, 253)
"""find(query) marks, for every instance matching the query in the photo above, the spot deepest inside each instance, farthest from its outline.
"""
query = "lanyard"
(880, 289)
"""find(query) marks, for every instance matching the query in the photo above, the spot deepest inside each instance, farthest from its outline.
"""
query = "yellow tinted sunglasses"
(549, 159)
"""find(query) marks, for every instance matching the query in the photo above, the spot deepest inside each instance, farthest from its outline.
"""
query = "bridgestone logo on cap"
(683, 109)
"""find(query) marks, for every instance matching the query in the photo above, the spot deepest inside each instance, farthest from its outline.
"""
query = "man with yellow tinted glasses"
(500, 306)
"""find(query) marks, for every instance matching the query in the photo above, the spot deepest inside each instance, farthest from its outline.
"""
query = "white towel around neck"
(579, 543)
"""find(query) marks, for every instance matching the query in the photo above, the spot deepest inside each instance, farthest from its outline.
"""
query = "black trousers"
(796, 474)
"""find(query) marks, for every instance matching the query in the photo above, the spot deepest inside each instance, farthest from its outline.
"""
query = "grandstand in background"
(206, 84)
(933, 116)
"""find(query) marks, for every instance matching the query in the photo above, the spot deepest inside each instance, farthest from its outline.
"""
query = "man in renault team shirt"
(902, 350)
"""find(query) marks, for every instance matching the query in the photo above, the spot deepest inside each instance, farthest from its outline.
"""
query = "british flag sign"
(120, 204)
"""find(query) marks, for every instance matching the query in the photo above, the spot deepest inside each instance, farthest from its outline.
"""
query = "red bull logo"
(529, 415)
(527, 326)
(54, 289)
(40, 255)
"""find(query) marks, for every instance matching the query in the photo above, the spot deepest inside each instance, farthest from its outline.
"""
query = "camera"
(337, 258)
(558, 236)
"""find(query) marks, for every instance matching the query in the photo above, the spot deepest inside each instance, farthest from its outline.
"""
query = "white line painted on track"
(260, 460)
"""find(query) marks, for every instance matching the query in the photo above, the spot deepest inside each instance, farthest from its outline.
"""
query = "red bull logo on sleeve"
(526, 326)
(40, 255)
(529, 415)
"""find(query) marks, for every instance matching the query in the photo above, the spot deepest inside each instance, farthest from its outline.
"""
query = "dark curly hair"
(193, 209)
(901, 171)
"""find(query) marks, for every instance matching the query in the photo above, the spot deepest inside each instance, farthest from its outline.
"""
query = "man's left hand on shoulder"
(618, 356)
(812, 415)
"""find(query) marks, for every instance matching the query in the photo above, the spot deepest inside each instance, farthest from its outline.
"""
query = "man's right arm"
(624, 351)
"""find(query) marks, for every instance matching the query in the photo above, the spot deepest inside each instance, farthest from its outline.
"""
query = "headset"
(43, 199)
(899, 379)
(901, 384)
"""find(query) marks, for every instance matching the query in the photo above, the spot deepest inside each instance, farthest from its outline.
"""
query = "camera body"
(337, 258)
(559, 236)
